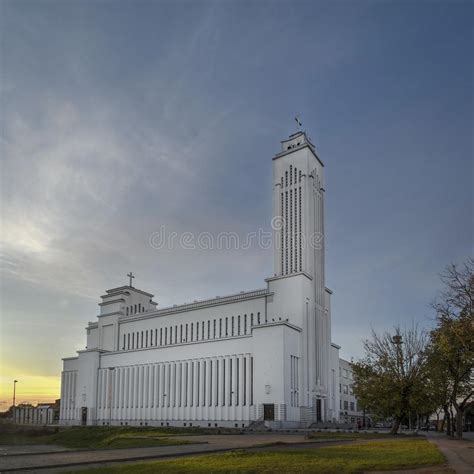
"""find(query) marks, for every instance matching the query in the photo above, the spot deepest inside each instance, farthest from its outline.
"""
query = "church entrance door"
(319, 410)
(269, 412)
(84, 416)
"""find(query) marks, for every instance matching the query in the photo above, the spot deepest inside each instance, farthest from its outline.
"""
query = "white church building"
(256, 356)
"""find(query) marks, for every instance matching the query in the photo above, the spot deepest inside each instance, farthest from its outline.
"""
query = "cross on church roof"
(131, 276)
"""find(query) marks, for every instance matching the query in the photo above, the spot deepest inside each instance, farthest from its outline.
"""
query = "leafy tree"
(438, 386)
(452, 340)
(391, 377)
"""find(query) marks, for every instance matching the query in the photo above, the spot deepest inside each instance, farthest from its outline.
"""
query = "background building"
(41, 414)
(349, 411)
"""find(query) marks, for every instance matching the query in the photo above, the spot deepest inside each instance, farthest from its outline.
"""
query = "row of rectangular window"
(346, 373)
(291, 181)
(346, 405)
(191, 332)
(346, 388)
(134, 309)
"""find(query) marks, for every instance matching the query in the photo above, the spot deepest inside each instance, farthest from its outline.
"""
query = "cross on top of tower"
(299, 124)
(131, 276)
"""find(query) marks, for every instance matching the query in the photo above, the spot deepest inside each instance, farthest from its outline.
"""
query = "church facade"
(258, 356)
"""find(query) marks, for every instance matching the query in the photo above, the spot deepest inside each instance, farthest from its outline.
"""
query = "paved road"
(49, 461)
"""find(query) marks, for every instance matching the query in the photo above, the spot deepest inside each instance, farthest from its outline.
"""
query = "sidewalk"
(459, 453)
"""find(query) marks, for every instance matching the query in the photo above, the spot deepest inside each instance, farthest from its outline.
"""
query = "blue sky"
(119, 117)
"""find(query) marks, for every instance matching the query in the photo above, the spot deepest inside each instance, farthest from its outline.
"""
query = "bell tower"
(299, 266)
(298, 209)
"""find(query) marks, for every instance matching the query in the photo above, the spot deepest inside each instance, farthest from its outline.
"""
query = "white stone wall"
(149, 366)
(194, 390)
(68, 395)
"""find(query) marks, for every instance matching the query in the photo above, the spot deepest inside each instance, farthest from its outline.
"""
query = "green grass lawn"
(364, 456)
(95, 437)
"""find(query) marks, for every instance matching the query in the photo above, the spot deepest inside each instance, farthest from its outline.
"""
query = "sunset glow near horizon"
(30, 388)
(116, 121)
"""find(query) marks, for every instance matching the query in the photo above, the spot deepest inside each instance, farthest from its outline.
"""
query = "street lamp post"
(14, 397)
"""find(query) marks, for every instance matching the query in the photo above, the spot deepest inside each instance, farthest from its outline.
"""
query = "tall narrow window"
(291, 231)
(192, 332)
(191, 374)
(223, 382)
(238, 325)
(300, 230)
(204, 383)
(282, 250)
(161, 336)
(251, 380)
(166, 336)
(244, 368)
(295, 231)
(226, 326)
(245, 324)
(232, 333)
(220, 327)
(209, 329)
(214, 329)
(286, 232)
(124, 339)
(186, 385)
(237, 381)
(216, 401)
(180, 333)
(230, 382)
(198, 386)
(210, 383)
